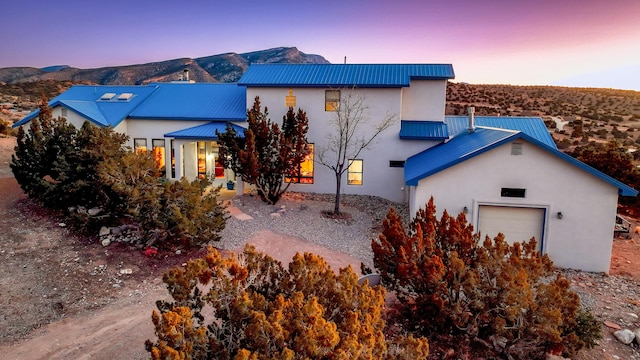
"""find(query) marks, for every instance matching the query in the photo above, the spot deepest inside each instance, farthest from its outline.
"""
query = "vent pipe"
(185, 77)
(472, 121)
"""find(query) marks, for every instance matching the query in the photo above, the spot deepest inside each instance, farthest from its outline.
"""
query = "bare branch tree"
(349, 136)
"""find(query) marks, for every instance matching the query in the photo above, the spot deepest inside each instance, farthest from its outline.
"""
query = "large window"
(202, 159)
(306, 169)
(354, 172)
(331, 100)
(173, 159)
(159, 154)
(140, 145)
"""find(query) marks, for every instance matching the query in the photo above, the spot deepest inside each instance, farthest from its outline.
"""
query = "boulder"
(106, 242)
(625, 336)
(104, 231)
(94, 211)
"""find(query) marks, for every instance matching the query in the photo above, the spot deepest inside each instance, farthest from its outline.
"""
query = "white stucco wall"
(424, 100)
(582, 239)
(72, 116)
(378, 178)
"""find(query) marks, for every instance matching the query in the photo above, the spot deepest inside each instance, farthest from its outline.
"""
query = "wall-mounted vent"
(516, 148)
(396, 163)
(512, 192)
(107, 96)
(125, 96)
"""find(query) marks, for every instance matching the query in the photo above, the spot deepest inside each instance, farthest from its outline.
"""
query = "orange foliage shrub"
(247, 306)
(501, 296)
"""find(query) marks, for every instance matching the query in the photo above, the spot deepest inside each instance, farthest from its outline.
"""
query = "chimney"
(185, 77)
(472, 121)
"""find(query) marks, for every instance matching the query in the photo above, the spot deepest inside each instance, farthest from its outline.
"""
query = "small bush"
(256, 309)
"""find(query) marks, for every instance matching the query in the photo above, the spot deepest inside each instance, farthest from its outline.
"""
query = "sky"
(584, 43)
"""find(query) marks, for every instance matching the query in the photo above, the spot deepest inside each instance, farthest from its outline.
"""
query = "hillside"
(217, 68)
(573, 115)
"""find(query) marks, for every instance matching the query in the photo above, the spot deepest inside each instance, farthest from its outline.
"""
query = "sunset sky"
(586, 43)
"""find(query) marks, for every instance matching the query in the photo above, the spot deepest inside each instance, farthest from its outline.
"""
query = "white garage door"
(516, 223)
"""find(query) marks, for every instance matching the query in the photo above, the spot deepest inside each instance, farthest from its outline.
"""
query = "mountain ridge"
(226, 67)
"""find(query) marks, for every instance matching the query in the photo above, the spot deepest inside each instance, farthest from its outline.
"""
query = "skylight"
(125, 96)
(107, 96)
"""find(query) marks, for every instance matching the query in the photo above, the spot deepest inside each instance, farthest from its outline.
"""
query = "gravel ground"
(301, 215)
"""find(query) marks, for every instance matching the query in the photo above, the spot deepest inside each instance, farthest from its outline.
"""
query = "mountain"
(216, 68)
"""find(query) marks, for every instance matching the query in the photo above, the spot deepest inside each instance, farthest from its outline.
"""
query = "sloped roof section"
(423, 130)
(532, 126)
(343, 75)
(467, 145)
(205, 132)
(199, 101)
(103, 112)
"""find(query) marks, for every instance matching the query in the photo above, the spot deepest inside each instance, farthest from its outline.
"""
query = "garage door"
(518, 224)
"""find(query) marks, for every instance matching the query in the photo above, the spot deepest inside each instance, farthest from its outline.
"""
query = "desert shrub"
(256, 309)
(180, 213)
(501, 296)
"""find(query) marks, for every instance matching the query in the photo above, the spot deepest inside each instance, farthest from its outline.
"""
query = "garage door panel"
(518, 224)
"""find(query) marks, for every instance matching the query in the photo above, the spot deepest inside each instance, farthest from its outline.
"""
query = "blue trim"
(205, 131)
(487, 141)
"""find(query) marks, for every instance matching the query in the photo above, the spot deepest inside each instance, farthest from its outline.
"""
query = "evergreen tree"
(267, 154)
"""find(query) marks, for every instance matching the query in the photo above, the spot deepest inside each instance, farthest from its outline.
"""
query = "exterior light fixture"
(465, 210)
(560, 216)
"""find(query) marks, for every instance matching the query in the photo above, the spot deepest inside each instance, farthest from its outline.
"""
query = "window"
(511, 192)
(354, 172)
(396, 163)
(140, 145)
(331, 100)
(290, 100)
(63, 112)
(159, 154)
(306, 169)
(202, 159)
(516, 148)
(173, 159)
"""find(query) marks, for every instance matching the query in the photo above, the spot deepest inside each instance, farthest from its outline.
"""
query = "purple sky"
(541, 42)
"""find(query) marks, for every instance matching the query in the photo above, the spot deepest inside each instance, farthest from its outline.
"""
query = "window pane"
(354, 172)
(305, 169)
(159, 153)
(202, 159)
(140, 145)
(331, 100)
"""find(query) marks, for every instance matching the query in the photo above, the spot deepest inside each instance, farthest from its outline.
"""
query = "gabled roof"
(205, 131)
(343, 75)
(86, 101)
(454, 125)
(467, 145)
(199, 101)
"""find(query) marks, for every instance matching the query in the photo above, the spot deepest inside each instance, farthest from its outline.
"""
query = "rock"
(635, 316)
(178, 252)
(625, 336)
(116, 231)
(275, 214)
(94, 211)
(62, 225)
(611, 325)
(104, 231)
(636, 332)
(106, 242)
(550, 356)
(126, 271)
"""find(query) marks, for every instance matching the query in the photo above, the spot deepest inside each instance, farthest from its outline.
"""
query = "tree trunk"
(336, 208)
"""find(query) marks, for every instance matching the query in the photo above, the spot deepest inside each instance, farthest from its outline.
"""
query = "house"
(505, 173)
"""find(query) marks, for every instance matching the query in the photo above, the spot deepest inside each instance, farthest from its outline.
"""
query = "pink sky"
(546, 42)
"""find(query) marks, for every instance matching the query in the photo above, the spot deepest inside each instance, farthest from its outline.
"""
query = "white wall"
(72, 117)
(582, 239)
(424, 100)
(378, 178)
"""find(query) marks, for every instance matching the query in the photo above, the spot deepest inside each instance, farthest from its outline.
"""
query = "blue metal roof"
(423, 130)
(205, 131)
(200, 101)
(343, 75)
(467, 145)
(86, 100)
(532, 126)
